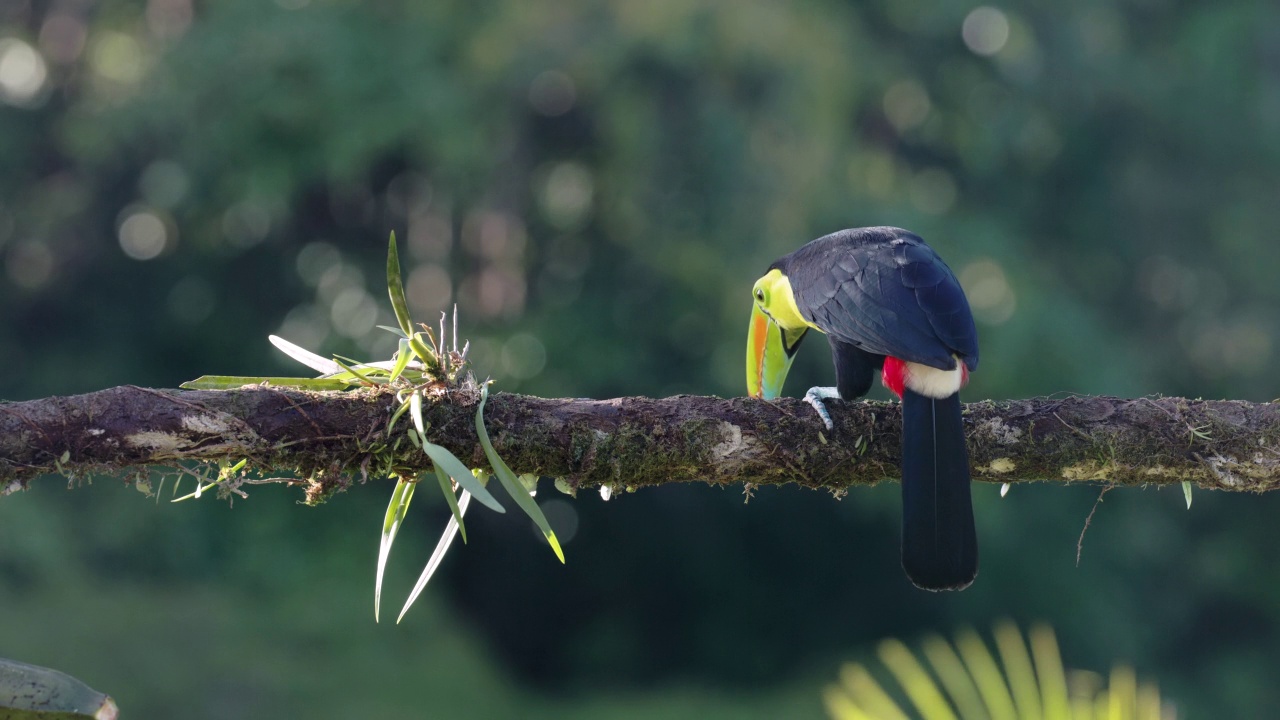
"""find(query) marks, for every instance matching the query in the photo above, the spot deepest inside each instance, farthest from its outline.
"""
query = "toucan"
(887, 304)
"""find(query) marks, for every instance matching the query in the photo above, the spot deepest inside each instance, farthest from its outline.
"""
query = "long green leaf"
(511, 483)
(447, 489)
(459, 472)
(446, 539)
(306, 357)
(402, 359)
(396, 416)
(915, 680)
(1018, 669)
(360, 375)
(232, 382)
(396, 288)
(428, 358)
(396, 509)
(415, 412)
(448, 461)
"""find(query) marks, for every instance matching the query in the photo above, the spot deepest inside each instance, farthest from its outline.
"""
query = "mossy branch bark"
(326, 439)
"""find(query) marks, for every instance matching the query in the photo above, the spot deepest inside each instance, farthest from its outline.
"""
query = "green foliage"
(963, 681)
(515, 487)
(437, 371)
(396, 510)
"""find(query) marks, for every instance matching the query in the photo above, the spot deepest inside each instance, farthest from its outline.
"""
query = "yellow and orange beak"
(770, 350)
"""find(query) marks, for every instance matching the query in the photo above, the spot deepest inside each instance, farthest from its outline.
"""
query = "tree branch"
(324, 438)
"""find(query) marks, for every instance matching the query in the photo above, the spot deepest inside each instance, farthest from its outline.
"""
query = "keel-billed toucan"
(888, 304)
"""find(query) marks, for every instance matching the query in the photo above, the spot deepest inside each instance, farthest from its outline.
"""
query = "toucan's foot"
(815, 396)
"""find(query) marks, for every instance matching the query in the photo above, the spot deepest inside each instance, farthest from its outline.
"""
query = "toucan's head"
(777, 327)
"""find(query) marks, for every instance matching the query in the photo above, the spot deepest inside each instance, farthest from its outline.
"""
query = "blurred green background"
(597, 185)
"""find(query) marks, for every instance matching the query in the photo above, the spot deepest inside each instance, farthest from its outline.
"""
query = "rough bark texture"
(325, 439)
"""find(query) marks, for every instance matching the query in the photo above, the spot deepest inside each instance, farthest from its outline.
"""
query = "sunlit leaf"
(402, 359)
(231, 382)
(915, 680)
(446, 539)
(392, 330)
(415, 412)
(511, 483)
(306, 357)
(396, 288)
(1018, 668)
(1186, 492)
(447, 489)
(424, 353)
(396, 509)
(954, 678)
(463, 476)
(396, 416)
(986, 695)
(986, 675)
(362, 376)
(870, 695)
(1053, 679)
(200, 489)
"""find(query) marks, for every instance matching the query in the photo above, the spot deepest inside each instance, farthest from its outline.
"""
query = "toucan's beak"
(770, 350)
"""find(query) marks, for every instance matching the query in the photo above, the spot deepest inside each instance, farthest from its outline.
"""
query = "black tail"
(939, 543)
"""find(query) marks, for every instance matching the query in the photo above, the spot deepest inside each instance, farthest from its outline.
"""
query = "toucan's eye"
(760, 294)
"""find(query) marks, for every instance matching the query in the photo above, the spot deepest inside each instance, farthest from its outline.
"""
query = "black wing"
(884, 291)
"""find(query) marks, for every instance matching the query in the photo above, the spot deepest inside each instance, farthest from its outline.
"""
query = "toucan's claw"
(815, 396)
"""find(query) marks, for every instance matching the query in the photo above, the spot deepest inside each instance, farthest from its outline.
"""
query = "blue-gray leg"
(815, 396)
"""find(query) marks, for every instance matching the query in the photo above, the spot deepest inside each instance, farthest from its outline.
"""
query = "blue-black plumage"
(888, 304)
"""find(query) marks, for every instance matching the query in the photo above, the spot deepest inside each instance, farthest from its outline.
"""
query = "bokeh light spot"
(305, 325)
(566, 195)
(169, 19)
(246, 223)
(408, 193)
(354, 312)
(484, 356)
(315, 259)
(985, 30)
(493, 292)
(1101, 30)
(143, 234)
(336, 279)
(552, 93)
(990, 297)
(191, 300)
(906, 105)
(430, 236)
(62, 37)
(117, 57)
(164, 183)
(494, 236)
(1219, 348)
(562, 516)
(22, 73)
(878, 174)
(933, 191)
(523, 356)
(428, 290)
(29, 265)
